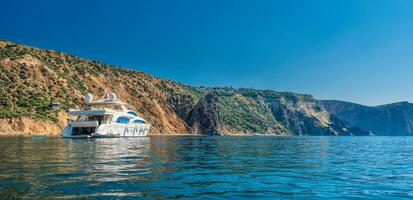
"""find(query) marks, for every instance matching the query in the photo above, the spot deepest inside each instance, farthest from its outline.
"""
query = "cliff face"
(282, 113)
(204, 117)
(34, 80)
(391, 119)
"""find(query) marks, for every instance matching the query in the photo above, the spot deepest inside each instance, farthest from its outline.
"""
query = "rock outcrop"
(204, 117)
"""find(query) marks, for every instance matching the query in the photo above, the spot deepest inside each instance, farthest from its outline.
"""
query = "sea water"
(232, 167)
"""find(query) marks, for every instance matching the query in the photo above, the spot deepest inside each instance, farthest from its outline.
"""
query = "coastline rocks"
(204, 117)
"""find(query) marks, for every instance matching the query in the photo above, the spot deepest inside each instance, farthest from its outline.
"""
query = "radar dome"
(88, 98)
(111, 96)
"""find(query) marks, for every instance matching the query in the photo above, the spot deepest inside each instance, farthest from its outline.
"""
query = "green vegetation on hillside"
(33, 79)
(241, 112)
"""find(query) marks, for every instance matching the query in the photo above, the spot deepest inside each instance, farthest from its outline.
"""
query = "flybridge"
(107, 98)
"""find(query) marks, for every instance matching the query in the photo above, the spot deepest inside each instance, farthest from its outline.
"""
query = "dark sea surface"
(232, 167)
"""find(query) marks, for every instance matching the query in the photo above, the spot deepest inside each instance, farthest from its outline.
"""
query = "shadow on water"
(204, 167)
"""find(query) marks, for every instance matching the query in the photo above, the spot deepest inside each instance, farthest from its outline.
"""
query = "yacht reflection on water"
(111, 159)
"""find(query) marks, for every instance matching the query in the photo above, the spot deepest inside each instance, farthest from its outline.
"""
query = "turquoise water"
(207, 167)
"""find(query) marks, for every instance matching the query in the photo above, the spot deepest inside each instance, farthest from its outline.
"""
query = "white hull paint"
(111, 130)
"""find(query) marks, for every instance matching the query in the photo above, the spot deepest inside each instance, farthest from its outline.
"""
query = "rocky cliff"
(38, 85)
(390, 119)
(204, 116)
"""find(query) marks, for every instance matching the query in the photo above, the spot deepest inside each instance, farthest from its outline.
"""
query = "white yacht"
(106, 117)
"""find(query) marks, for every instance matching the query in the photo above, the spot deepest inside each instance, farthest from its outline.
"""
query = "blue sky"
(360, 51)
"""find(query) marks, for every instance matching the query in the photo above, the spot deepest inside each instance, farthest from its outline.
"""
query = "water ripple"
(207, 167)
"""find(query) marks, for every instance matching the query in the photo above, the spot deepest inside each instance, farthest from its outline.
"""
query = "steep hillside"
(266, 111)
(34, 81)
(390, 119)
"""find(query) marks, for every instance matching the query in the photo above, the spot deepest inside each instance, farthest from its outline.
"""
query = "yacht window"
(98, 118)
(139, 121)
(107, 118)
(122, 120)
(132, 113)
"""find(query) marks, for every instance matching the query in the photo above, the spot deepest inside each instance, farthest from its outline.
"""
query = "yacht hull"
(107, 131)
